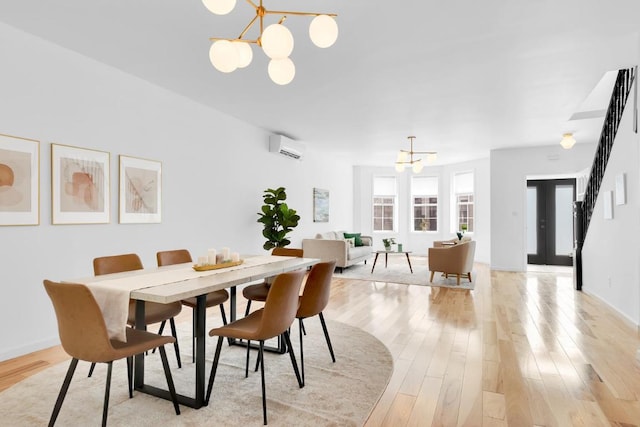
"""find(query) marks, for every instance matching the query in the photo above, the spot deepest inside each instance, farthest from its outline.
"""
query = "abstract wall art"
(140, 190)
(19, 181)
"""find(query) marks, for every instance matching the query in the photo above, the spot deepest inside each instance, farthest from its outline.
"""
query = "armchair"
(452, 259)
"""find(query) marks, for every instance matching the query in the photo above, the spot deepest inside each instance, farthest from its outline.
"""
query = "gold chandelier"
(405, 158)
(276, 40)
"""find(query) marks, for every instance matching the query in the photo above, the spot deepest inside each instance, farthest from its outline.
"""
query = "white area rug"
(335, 394)
(397, 271)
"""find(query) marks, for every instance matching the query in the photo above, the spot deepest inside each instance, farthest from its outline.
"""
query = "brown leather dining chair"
(154, 312)
(272, 320)
(259, 291)
(181, 256)
(84, 336)
(314, 300)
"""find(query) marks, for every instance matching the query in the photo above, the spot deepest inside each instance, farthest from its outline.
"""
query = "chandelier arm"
(253, 4)
(284, 12)
(213, 39)
(248, 27)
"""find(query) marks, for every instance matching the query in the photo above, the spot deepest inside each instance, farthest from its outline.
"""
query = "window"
(463, 198)
(384, 203)
(424, 196)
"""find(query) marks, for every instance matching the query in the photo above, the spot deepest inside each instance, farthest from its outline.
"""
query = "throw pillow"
(351, 241)
(356, 236)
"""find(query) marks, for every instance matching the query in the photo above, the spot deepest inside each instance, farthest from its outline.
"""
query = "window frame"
(394, 205)
(455, 203)
(412, 196)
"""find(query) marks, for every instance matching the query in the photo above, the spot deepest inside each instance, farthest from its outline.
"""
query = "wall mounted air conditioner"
(286, 146)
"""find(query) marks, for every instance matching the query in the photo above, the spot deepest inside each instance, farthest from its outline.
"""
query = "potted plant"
(277, 218)
(388, 242)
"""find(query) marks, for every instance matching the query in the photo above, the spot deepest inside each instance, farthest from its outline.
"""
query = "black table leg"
(141, 324)
(409, 261)
(374, 262)
(201, 319)
(386, 257)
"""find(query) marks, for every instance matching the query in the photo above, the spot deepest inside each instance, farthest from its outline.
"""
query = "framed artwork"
(320, 205)
(621, 189)
(79, 185)
(140, 190)
(19, 181)
(608, 204)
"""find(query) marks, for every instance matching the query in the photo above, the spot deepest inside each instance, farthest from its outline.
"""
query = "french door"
(550, 221)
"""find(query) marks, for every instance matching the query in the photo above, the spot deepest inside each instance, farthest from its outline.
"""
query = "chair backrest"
(287, 252)
(315, 296)
(468, 261)
(81, 327)
(116, 264)
(282, 304)
(178, 256)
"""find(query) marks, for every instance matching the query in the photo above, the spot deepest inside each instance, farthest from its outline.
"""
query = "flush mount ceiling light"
(276, 40)
(405, 158)
(567, 141)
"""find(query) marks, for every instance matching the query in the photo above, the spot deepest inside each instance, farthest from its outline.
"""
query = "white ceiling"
(463, 76)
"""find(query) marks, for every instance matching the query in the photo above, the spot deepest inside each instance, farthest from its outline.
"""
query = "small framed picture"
(19, 181)
(320, 205)
(79, 185)
(140, 190)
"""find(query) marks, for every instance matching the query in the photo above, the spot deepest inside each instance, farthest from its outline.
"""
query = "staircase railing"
(621, 90)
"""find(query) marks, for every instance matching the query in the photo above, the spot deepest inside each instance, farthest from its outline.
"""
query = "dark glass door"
(550, 221)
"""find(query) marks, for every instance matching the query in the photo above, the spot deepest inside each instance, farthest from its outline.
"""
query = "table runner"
(112, 294)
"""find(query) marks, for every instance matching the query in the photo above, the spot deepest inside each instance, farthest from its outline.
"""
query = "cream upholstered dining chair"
(455, 258)
(84, 336)
(273, 320)
(154, 312)
(180, 256)
(314, 300)
(259, 292)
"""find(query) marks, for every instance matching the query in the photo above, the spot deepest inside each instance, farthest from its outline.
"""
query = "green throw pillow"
(356, 236)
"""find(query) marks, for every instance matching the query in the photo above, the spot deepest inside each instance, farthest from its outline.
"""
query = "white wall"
(611, 255)
(215, 169)
(419, 242)
(509, 171)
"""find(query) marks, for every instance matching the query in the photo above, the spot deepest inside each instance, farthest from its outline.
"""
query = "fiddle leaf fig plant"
(277, 218)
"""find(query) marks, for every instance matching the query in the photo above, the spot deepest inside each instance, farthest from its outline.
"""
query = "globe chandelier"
(229, 54)
(405, 158)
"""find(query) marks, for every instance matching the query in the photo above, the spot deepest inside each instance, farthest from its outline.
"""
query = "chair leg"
(130, 375)
(107, 389)
(458, 279)
(287, 339)
(164, 322)
(167, 374)
(214, 368)
(264, 395)
(304, 331)
(93, 366)
(63, 391)
(326, 336)
(246, 366)
(469, 275)
(258, 360)
(224, 315)
(246, 312)
(431, 278)
(301, 349)
(172, 322)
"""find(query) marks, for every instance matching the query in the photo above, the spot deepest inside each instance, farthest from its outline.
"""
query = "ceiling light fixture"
(405, 158)
(568, 141)
(276, 40)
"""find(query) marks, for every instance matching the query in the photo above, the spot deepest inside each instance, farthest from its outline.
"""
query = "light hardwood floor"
(522, 349)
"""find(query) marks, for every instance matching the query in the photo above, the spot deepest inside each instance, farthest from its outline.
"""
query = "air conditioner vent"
(286, 146)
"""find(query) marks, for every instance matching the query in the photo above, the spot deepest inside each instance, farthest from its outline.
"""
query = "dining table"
(172, 283)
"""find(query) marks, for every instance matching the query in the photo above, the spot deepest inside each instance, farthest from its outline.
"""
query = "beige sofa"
(333, 246)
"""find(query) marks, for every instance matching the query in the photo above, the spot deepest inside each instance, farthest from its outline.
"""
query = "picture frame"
(320, 205)
(80, 188)
(621, 189)
(140, 189)
(19, 181)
